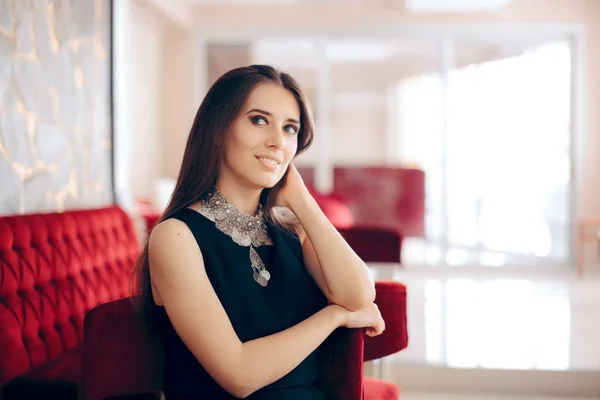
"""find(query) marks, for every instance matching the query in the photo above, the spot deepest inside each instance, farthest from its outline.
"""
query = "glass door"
(493, 134)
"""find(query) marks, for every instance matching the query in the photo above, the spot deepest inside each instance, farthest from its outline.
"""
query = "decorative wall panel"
(55, 105)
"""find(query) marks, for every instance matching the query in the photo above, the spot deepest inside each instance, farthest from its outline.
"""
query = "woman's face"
(263, 138)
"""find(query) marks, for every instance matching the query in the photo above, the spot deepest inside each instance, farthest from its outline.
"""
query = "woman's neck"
(246, 200)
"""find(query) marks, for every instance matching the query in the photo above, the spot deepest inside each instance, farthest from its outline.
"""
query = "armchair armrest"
(374, 243)
(390, 297)
(342, 365)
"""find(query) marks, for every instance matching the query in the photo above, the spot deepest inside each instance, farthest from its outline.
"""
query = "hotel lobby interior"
(436, 156)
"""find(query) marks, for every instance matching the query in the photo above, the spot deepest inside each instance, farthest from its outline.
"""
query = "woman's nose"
(276, 138)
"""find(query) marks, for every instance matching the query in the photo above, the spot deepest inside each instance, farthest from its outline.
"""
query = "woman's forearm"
(265, 360)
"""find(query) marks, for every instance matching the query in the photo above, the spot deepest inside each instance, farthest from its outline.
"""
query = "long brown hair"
(202, 157)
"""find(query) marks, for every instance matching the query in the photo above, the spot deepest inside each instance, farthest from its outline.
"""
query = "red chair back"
(121, 358)
(374, 243)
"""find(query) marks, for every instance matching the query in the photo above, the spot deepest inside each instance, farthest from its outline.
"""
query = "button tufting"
(83, 242)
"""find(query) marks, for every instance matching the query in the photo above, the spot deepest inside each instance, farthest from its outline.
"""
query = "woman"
(239, 288)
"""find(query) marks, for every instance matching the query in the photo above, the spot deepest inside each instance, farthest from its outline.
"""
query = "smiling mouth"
(270, 162)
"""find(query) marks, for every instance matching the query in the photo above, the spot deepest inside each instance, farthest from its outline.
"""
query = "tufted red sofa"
(53, 269)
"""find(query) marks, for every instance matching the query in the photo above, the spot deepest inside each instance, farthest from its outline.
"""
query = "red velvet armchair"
(121, 359)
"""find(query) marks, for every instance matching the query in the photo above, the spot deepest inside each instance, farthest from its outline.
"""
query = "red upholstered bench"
(53, 269)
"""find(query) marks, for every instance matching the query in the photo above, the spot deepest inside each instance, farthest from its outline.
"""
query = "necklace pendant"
(265, 274)
(260, 278)
(262, 281)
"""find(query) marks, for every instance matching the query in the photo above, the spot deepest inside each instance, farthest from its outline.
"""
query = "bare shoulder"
(170, 243)
(168, 232)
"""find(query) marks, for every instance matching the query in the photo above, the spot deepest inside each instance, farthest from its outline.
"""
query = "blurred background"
(470, 126)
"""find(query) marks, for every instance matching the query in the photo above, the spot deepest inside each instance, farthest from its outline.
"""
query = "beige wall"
(138, 76)
(176, 97)
(590, 163)
(377, 13)
(153, 94)
(177, 91)
(145, 63)
(223, 57)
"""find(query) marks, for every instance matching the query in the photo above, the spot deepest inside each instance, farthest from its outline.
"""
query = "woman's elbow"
(240, 390)
(240, 383)
(366, 298)
(360, 299)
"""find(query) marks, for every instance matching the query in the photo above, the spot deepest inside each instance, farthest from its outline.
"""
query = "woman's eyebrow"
(258, 110)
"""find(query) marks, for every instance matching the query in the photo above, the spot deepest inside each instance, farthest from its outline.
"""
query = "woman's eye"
(291, 129)
(259, 120)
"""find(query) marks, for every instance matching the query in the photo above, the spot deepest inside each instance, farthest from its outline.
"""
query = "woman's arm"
(340, 273)
(181, 285)
(342, 276)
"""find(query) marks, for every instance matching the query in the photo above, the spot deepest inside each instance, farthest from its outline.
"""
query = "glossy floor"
(477, 318)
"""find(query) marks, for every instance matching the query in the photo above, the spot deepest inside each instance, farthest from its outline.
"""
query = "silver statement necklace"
(245, 230)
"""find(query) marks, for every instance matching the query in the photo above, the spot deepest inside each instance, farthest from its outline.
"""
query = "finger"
(373, 333)
(380, 327)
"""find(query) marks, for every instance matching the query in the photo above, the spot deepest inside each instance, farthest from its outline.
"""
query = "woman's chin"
(270, 184)
(266, 183)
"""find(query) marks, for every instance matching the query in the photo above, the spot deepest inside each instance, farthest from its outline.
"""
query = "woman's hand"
(293, 186)
(368, 317)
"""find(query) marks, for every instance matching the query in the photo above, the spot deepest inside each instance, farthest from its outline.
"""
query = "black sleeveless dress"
(255, 311)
